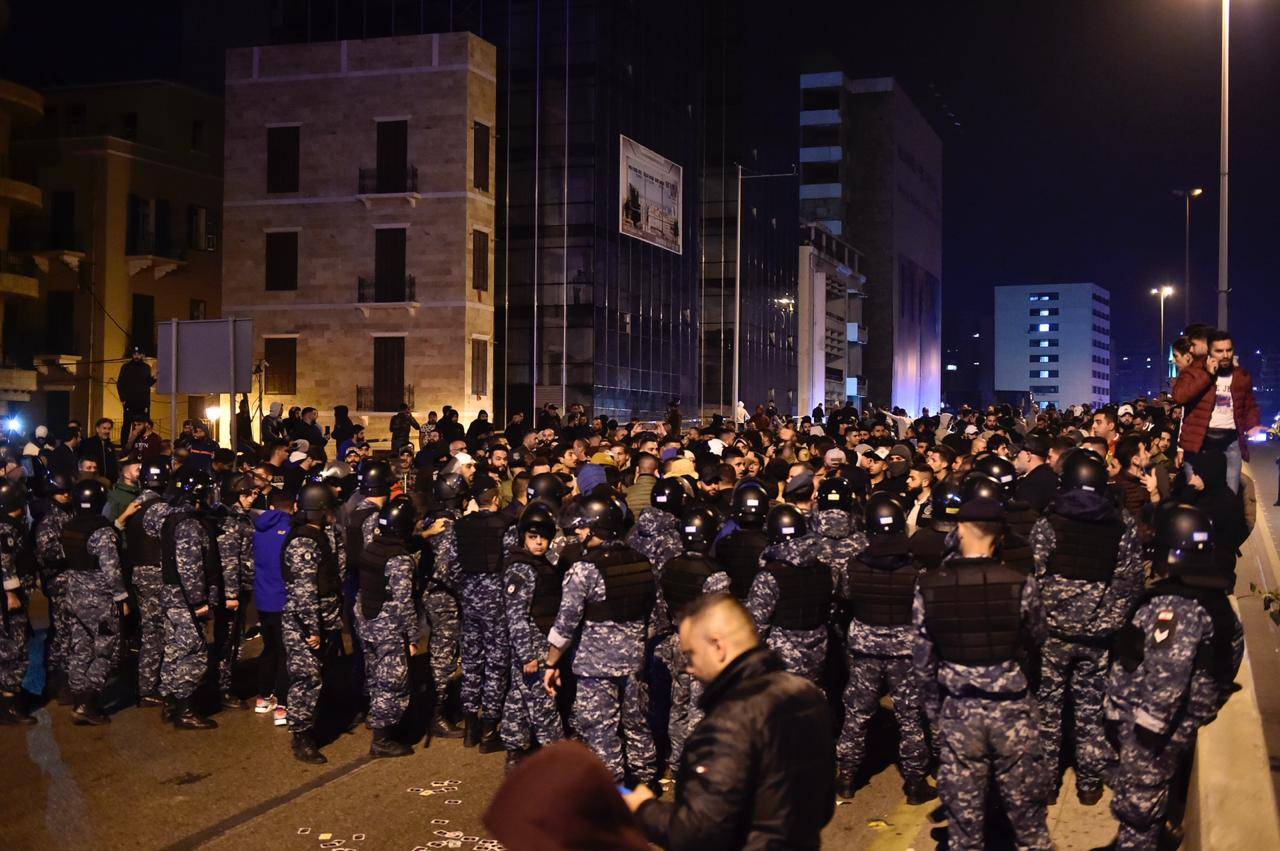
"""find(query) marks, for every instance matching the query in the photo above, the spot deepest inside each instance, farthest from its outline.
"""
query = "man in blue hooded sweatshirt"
(270, 529)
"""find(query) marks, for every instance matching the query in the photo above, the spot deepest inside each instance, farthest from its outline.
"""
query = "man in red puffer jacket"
(1221, 412)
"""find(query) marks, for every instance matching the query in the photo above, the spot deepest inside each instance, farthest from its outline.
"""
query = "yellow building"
(131, 179)
(18, 106)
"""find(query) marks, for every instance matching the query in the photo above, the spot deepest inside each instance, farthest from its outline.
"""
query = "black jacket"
(1038, 488)
(133, 384)
(759, 770)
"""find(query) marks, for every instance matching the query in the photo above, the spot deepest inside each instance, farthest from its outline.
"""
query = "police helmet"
(193, 487)
(1184, 548)
(58, 483)
(836, 492)
(450, 489)
(602, 516)
(750, 505)
(375, 477)
(1084, 469)
(88, 497)
(13, 495)
(154, 476)
(546, 487)
(537, 517)
(239, 485)
(698, 527)
(945, 501)
(884, 515)
(668, 494)
(397, 519)
(784, 522)
(314, 503)
(569, 516)
(999, 470)
(978, 486)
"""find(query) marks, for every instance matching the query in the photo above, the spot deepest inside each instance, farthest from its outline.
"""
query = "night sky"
(1077, 119)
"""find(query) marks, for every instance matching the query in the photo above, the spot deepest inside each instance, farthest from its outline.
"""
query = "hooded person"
(343, 427)
(273, 425)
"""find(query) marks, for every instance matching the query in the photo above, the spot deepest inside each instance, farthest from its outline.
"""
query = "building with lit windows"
(1053, 342)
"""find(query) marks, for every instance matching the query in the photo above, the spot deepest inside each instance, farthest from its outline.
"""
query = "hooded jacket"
(269, 532)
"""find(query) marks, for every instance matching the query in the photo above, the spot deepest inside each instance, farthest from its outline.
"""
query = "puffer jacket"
(759, 770)
(1194, 390)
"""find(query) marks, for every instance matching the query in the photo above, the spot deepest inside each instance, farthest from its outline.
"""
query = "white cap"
(715, 446)
(463, 458)
(42, 431)
(296, 457)
(1124, 409)
(970, 429)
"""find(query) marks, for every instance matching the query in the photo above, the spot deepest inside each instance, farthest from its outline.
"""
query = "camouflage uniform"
(529, 712)
(13, 625)
(386, 638)
(368, 527)
(803, 652)
(149, 583)
(484, 644)
(307, 613)
(656, 536)
(1155, 708)
(609, 662)
(1081, 617)
(989, 732)
(186, 654)
(235, 552)
(53, 576)
(440, 603)
(92, 596)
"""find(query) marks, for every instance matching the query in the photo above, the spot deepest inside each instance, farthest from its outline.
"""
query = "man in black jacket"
(134, 384)
(758, 771)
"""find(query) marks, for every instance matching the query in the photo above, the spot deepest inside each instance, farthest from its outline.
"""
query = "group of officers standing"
(560, 612)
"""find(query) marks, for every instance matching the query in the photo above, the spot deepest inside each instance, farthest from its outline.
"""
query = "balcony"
(376, 400)
(143, 251)
(392, 185)
(24, 106)
(381, 293)
(16, 384)
(18, 275)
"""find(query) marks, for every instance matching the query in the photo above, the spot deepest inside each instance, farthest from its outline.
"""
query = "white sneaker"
(263, 705)
(281, 717)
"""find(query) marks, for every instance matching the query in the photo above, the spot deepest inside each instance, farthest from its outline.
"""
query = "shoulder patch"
(1165, 624)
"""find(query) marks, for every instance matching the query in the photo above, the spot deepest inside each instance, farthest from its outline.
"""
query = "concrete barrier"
(1231, 803)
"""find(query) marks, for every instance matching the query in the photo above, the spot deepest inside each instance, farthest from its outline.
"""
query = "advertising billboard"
(650, 197)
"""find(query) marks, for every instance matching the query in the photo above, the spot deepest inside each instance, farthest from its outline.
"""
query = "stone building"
(359, 221)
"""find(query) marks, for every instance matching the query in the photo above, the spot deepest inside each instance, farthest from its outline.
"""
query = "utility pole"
(1222, 167)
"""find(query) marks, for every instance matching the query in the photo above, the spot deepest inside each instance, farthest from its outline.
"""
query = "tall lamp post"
(1222, 167)
(1162, 359)
(1187, 195)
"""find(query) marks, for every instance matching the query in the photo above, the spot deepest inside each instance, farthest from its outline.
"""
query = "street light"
(1164, 292)
(1222, 167)
(1187, 194)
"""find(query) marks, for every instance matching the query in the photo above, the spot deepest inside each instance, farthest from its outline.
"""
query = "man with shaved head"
(759, 770)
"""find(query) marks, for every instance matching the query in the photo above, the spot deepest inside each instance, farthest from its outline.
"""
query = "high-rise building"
(871, 174)
(1053, 342)
(131, 175)
(360, 200)
(832, 336)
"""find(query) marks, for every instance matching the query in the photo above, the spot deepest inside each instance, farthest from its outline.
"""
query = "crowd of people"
(726, 602)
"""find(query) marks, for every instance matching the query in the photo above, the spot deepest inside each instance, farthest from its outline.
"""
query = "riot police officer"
(1019, 516)
(656, 533)
(738, 551)
(52, 562)
(439, 597)
(929, 543)
(142, 548)
(232, 528)
(17, 573)
(374, 477)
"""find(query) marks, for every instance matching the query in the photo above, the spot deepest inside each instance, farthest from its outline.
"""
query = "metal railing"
(18, 264)
(383, 399)
(386, 290)
(372, 181)
(147, 244)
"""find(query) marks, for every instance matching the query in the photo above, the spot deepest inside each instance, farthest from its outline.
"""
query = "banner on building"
(650, 197)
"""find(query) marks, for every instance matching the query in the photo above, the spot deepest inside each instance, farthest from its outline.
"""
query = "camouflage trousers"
(13, 645)
(304, 668)
(1140, 782)
(227, 626)
(441, 610)
(55, 589)
(610, 714)
(869, 677)
(93, 645)
(529, 713)
(800, 653)
(485, 648)
(147, 581)
(186, 654)
(1082, 669)
(685, 692)
(994, 742)
(386, 659)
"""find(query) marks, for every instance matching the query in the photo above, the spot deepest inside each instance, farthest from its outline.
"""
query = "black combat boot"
(385, 746)
(185, 718)
(846, 785)
(230, 701)
(490, 741)
(167, 706)
(146, 701)
(442, 728)
(1089, 797)
(86, 712)
(919, 792)
(305, 750)
(473, 731)
(11, 711)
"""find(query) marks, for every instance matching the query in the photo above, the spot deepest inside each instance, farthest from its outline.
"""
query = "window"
(1043, 297)
(820, 137)
(393, 157)
(1101, 300)
(59, 323)
(1099, 344)
(197, 135)
(1043, 311)
(388, 373)
(819, 172)
(1044, 358)
(143, 322)
(1105, 317)
(282, 261)
(77, 119)
(129, 125)
(281, 355)
(1044, 373)
(1043, 344)
(1101, 329)
(480, 367)
(62, 219)
(197, 309)
(1044, 388)
(282, 159)
(821, 99)
(1042, 327)
(480, 156)
(479, 260)
(138, 237)
(202, 231)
